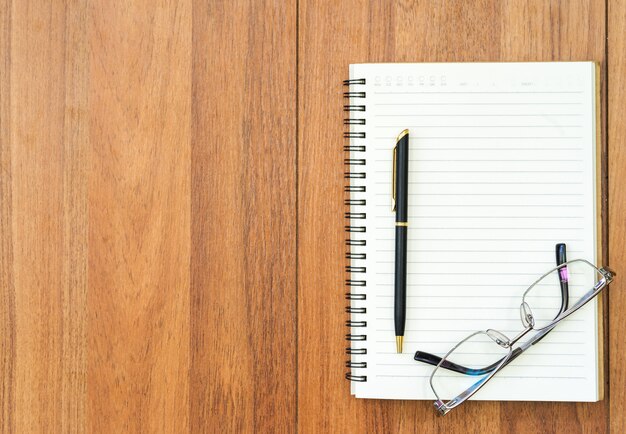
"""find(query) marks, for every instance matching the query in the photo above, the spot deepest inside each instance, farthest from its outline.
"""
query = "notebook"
(503, 166)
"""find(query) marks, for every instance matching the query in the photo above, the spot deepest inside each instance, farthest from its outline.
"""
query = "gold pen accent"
(402, 134)
(405, 224)
(393, 176)
(399, 340)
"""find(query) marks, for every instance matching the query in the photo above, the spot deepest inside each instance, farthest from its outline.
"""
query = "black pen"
(400, 186)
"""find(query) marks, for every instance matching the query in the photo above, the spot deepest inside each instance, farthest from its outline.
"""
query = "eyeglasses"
(471, 363)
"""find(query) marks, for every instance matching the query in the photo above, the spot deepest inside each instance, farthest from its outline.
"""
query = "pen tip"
(399, 340)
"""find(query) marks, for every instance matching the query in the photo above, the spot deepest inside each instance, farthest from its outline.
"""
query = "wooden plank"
(616, 59)
(43, 219)
(7, 276)
(333, 35)
(139, 210)
(243, 372)
(556, 31)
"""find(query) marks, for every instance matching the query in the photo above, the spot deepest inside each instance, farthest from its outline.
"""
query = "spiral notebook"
(503, 166)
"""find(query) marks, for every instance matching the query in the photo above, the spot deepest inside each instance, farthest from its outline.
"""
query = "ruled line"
(479, 92)
(487, 194)
(474, 103)
(473, 262)
(484, 217)
(421, 148)
(484, 160)
(475, 251)
(389, 341)
(391, 330)
(454, 285)
(448, 228)
(476, 114)
(504, 205)
(484, 137)
(415, 363)
(466, 273)
(499, 376)
(480, 126)
(525, 354)
(488, 182)
(485, 171)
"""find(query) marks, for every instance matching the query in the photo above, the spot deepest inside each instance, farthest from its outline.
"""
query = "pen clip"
(393, 179)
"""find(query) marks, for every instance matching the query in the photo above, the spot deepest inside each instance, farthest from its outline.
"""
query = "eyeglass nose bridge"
(519, 336)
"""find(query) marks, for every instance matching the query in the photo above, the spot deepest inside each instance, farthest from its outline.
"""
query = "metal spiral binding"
(353, 229)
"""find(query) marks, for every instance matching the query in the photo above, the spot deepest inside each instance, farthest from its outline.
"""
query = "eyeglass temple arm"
(431, 359)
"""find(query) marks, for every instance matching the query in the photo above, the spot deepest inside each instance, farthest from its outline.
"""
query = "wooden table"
(171, 252)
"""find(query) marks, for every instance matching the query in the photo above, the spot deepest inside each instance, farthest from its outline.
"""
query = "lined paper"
(502, 168)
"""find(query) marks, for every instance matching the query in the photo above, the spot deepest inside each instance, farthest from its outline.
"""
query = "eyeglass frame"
(431, 359)
(528, 323)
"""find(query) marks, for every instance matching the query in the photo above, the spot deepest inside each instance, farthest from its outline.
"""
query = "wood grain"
(617, 211)
(43, 276)
(243, 373)
(333, 35)
(7, 284)
(139, 217)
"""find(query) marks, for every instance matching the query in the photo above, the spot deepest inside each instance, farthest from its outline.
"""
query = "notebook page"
(502, 168)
